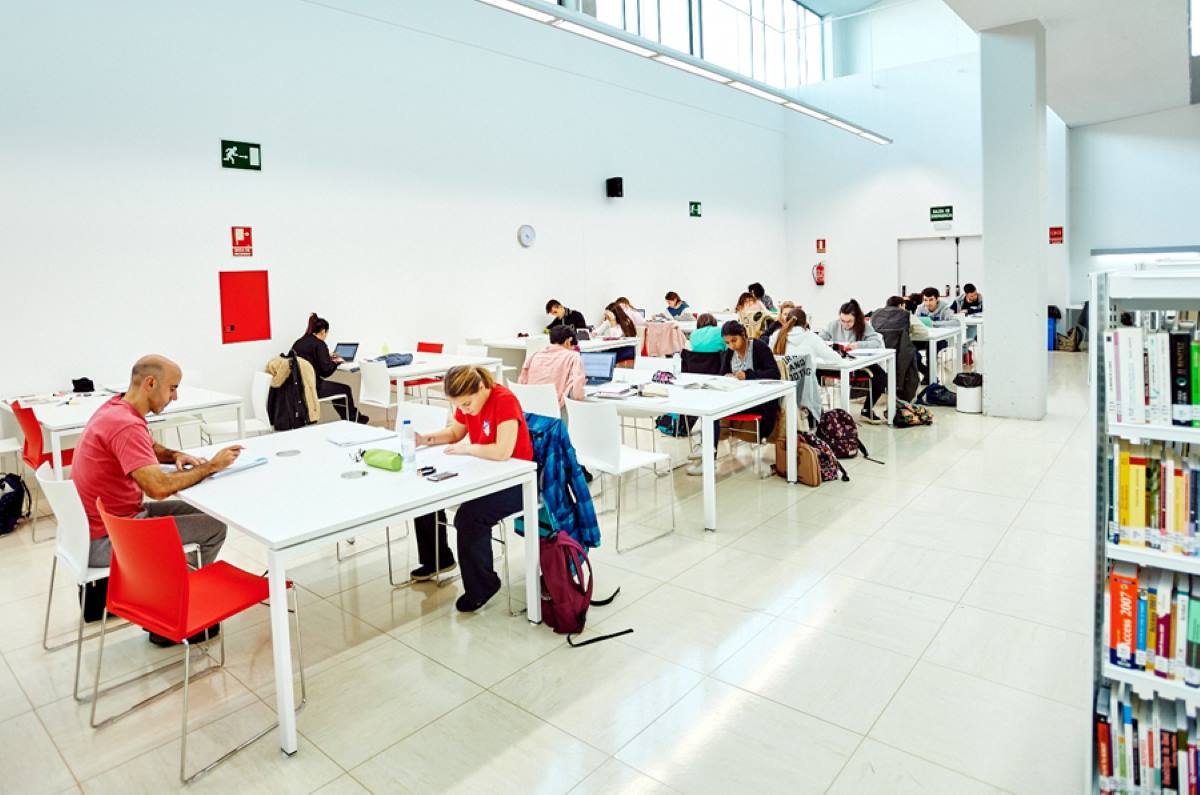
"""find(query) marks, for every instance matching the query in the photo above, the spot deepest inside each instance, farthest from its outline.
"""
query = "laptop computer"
(598, 367)
(582, 335)
(347, 350)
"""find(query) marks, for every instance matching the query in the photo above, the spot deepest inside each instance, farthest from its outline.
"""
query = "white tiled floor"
(922, 628)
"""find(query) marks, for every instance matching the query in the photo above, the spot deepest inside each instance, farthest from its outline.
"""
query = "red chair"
(33, 454)
(425, 347)
(757, 442)
(151, 586)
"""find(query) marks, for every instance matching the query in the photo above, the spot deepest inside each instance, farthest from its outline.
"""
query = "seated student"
(707, 336)
(488, 423)
(760, 294)
(746, 359)
(117, 461)
(638, 316)
(312, 348)
(558, 364)
(676, 306)
(851, 331)
(934, 307)
(970, 302)
(795, 339)
(618, 324)
(748, 302)
(563, 316)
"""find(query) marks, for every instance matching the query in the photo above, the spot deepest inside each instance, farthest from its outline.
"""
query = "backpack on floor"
(15, 502)
(910, 416)
(567, 588)
(815, 461)
(671, 425)
(937, 395)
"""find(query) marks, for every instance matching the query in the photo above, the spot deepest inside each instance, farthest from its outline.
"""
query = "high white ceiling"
(1105, 59)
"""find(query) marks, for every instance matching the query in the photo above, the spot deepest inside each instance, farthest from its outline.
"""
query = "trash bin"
(970, 393)
(1051, 334)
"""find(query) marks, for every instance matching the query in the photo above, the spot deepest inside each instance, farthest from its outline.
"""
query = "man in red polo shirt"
(119, 462)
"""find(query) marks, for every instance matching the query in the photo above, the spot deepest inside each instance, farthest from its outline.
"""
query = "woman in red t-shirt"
(490, 424)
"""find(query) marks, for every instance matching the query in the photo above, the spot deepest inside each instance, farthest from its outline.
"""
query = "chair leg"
(387, 535)
(33, 518)
(648, 540)
(49, 601)
(78, 652)
(99, 664)
(187, 657)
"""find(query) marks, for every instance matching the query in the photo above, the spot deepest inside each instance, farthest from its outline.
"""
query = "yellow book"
(1123, 495)
(1181, 505)
(1151, 627)
(1137, 492)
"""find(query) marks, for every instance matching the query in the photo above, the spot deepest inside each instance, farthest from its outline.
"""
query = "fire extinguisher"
(818, 273)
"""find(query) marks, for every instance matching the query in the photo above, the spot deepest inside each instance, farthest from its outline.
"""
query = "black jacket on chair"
(704, 363)
(892, 324)
(317, 353)
(285, 403)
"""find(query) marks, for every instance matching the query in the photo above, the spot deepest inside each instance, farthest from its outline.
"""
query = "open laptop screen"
(347, 350)
(599, 365)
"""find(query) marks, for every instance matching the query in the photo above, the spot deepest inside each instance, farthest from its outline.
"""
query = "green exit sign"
(694, 209)
(941, 213)
(239, 154)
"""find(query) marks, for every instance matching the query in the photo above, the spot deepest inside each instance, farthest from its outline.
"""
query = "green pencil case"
(384, 459)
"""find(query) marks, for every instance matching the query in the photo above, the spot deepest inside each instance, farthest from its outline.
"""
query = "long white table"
(954, 335)
(298, 502)
(711, 405)
(860, 360)
(428, 365)
(69, 415)
(587, 346)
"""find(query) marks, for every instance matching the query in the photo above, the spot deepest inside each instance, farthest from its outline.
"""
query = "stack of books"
(1154, 496)
(1152, 377)
(1144, 745)
(1153, 622)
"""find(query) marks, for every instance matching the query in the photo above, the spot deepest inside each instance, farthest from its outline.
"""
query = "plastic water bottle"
(408, 444)
(386, 351)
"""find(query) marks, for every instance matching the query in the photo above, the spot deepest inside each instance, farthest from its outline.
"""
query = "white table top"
(427, 364)
(700, 402)
(859, 359)
(587, 346)
(293, 499)
(938, 333)
(972, 320)
(72, 412)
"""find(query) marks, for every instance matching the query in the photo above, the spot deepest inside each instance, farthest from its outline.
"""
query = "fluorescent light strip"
(603, 38)
(517, 8)
(844, 126)
(806, 111)
(758, 92)
(692, 68)
(875, 139)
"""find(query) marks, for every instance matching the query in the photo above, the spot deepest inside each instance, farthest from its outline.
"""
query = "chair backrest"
(376, 386)
(476, 341)
(260, 390)
(430, 347)
(595, 432)
(425, 418)
(656, 363)
(32, 429)
(706, 363)
(535, 343)
(72, 540)
(538, 399)
(472, 350)
(147, 581)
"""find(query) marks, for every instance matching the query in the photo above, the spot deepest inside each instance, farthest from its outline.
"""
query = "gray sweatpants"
(194, 528)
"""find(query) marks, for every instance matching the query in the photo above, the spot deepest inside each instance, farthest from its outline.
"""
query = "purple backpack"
(840, 432)
(567, 587)
(827, 463)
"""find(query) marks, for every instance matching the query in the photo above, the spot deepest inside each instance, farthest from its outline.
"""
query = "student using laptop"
(312, 347)
(598, 367)
(676, 306)
(345, 351)
(558, 364)
(563, 316)
(488, 423)
(617, 324)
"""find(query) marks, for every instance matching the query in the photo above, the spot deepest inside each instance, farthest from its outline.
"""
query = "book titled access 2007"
(1181, 379)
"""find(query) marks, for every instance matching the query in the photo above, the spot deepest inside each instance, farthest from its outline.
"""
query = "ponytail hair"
(466, 380)
(852, 308)
(627, 326)
(794, 317)
(316, 324)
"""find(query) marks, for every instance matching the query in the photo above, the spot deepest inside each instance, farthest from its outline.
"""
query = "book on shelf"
(1152, 377)
(1152, 622)
(1154, 497)
(1146, 744)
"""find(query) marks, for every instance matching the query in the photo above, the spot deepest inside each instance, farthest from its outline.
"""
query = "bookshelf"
(1147, 477)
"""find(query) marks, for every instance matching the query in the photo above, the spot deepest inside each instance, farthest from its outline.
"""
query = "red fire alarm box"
(1056, 235)
(245, 306)
(243, 242)
(820, 245)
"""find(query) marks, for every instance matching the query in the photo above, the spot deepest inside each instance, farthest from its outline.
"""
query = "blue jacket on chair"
(563, 489)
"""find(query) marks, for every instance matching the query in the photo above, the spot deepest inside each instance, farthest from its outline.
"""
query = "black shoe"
(867, 415)
(425, 572)
(468, 603)
(93, 597)
(199, 637)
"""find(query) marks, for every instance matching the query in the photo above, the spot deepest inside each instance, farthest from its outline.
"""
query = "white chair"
(538, 399)
(596, 433)
(12, 446)
(630, 416)
(376, 389)
(260, 423)
(472, 349)
(656, 363)
(535, 343)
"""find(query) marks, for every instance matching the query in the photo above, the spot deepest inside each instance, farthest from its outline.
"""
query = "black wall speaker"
(614, 187)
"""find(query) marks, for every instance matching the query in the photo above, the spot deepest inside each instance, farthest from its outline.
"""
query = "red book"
(1123, 597)
(1103, 747)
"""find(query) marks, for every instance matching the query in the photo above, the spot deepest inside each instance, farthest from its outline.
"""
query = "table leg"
(845, 390)
(793, 421)
(932, 358)
(281, 647)
(891, 389)
(241, 420)
(708, 446)
(56, 454)
(533, 596)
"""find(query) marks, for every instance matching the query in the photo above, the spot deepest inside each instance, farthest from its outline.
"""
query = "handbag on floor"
(15, 502)
(815, 461)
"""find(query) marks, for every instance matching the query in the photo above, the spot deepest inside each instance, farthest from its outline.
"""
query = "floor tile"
(343, 785)
(1060, 601)
(839, 513)
(661, 560)
(604, 694)
(719, 739)
(839, 680)
(995, 509)
(1049, 517)
(757, 582)
(1045, 552)
(29, 759)
(951, 531)
(876, 767)
(941, 574)
(1004, 737)
(616, 776)
(12, 699)
(486, 745)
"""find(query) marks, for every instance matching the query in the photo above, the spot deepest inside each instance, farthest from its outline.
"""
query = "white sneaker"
(694, 456)
(696, 469)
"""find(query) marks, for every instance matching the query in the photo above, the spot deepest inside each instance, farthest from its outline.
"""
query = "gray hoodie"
(943, 315)
(835, 333)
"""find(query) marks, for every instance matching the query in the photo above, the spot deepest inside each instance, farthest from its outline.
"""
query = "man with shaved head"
(118, 461)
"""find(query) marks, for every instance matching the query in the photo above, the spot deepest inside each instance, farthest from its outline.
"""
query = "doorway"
(946, 263)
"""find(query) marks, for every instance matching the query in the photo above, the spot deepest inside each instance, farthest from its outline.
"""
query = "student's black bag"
(15, 502)
(937, 395)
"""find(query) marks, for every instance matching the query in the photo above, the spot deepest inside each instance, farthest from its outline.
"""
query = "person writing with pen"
(118, 461)
(488, 423)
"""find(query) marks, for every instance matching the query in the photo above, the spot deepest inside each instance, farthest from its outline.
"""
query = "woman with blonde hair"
(488, 423)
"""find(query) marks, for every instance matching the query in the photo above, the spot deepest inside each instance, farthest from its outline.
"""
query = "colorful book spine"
(1180, 630)
(1181, 378)
(1191, 675)
(1195, 376)
(1123, 621)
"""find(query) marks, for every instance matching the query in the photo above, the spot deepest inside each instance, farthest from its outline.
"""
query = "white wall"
(400, 156)
(1133, 183)
(898, 33)
(1058, 182)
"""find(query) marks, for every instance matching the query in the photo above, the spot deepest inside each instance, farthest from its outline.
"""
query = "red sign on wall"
(243, 244)
(820, 245)
(1056, 235)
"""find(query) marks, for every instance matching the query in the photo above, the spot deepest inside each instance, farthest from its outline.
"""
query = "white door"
(939, 262)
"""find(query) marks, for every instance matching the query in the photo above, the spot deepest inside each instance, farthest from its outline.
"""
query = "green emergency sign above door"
(239, 154)
(941, 213)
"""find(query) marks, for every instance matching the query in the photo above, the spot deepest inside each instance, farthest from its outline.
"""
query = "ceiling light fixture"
(603, 38)
(806, 110)
(758, 92)
(517, 8)
(875, 139)
(843, 125)
(692, 68)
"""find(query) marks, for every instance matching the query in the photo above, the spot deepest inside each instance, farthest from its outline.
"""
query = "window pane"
(758, 46)
(727, 34)
(631, 16)
(611, 12)
(775, 74)
(649, 19)
(791, 44)
(814, 70)
(676, 30)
